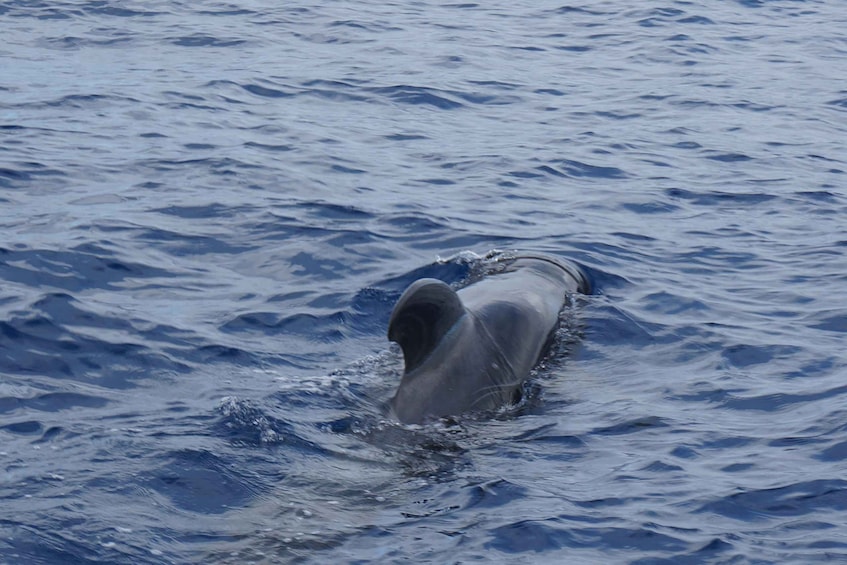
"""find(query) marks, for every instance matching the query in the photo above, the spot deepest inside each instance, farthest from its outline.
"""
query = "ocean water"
(208, 209)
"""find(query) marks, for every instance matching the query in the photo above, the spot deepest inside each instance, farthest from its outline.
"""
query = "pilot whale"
(472, 350)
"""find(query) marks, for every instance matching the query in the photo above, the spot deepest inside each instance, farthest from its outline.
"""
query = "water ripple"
(224, 202)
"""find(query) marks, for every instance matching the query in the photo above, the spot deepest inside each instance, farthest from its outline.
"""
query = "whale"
(471, 350)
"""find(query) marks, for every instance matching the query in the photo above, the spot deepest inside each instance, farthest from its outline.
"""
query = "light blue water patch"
(208, 210)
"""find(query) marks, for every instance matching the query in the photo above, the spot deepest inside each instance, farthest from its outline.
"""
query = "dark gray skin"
(472, 350)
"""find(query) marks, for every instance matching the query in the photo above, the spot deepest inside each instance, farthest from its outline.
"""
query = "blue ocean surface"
(209, 208)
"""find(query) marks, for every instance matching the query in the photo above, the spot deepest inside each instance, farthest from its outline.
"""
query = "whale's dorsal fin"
(425, 312)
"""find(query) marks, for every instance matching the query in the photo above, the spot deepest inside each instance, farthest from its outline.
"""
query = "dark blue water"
(207, 210)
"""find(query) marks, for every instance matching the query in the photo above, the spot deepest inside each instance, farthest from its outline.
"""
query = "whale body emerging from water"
(472, 350)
